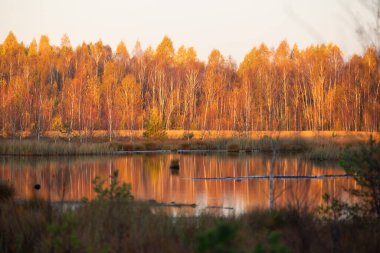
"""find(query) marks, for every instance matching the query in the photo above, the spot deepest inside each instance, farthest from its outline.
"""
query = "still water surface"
(70, 179)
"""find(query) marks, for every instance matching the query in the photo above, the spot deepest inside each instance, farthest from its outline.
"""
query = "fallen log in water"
(277, 177)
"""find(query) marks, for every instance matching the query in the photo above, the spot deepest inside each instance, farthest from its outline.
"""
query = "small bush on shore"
(154, 128)
(233, 147)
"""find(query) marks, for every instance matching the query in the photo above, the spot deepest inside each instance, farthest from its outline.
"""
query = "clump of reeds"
(323, 153)
(126, 146)
(152, 146)
(233, 147)
(195, 145)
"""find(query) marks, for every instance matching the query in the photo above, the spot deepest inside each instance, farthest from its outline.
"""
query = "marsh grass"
(125, 146)
(47, 148)
(329, 151)
(314, 148)
(332, 153)
(119, 226)
(264, 144)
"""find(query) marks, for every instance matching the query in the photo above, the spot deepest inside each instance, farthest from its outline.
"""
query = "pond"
(220, 182)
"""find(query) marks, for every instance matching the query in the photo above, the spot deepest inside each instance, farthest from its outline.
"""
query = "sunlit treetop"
(191, 54)
(44, 46)
(295, 50)
(215, 58)
(65, 42)
(185, 56)
(97, 50)
(282, 51)
(137, 50)
(10, 42)
(32, 50)
(149, 52)
(121, 51)
(370, 58)
(165, 50)
(263, 51)
(180, 57)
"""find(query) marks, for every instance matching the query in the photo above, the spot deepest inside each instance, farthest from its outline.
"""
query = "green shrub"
(223, 238)
(272, 245)
(115, 191)
(217, 239)
(334, 210)
(364, 166)
(154, 127)
(64, 235)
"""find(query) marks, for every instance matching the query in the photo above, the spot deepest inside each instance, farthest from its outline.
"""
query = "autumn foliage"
(45, 87)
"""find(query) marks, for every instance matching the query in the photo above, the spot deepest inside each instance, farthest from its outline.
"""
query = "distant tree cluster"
(45, 87)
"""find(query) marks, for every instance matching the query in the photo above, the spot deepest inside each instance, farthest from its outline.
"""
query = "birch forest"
(46, 87)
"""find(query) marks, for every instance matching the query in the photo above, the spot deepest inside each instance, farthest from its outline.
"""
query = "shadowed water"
(70, 179)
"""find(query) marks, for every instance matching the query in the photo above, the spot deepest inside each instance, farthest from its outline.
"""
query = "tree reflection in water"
(70, 179)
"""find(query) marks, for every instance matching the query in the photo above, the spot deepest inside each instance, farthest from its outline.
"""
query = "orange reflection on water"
(70, 179)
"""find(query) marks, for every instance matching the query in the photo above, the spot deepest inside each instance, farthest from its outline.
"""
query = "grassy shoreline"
(199, 134)
(48, 148)
(312, 145)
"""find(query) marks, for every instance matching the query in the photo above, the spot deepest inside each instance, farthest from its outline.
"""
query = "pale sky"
(234, 27)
